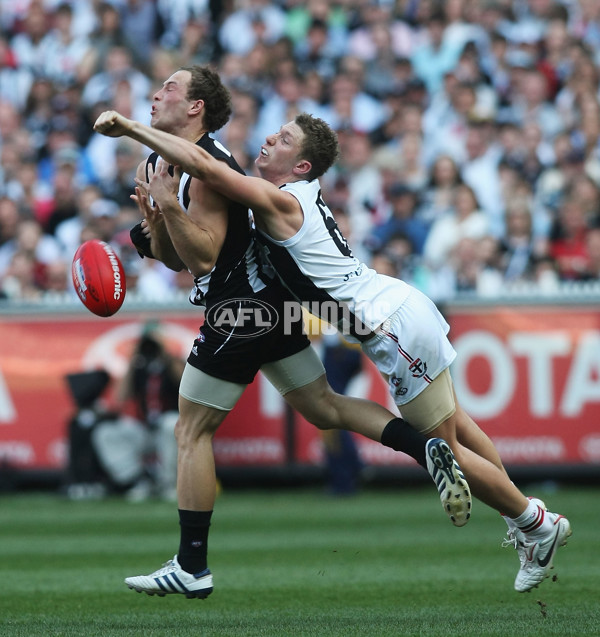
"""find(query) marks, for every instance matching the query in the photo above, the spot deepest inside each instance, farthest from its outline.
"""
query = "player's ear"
(302, 168)
(196, 107)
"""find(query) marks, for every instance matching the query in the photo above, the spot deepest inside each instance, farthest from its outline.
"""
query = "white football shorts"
(411, 349)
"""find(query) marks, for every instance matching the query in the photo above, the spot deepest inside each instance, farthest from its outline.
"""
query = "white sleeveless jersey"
(318, 267)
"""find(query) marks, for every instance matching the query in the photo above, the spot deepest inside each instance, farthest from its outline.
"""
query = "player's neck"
(189, 134)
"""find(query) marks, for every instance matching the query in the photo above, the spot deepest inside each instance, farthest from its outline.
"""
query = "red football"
(98, 277)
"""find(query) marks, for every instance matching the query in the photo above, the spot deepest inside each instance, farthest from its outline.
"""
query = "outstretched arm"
(269, 204)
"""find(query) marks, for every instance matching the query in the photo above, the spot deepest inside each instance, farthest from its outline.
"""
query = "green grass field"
(292, 563)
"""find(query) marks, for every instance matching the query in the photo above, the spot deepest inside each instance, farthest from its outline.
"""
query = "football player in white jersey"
(399, 328)
(195, 227)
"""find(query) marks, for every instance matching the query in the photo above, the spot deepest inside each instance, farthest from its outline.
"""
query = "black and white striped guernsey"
(237, 272)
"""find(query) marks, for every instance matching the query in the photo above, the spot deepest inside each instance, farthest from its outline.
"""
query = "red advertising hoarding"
(530, 376)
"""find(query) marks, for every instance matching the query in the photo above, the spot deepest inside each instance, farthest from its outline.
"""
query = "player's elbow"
(202, 267)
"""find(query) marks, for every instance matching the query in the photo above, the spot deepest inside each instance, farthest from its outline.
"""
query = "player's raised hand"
(112, 124)
(163, 183)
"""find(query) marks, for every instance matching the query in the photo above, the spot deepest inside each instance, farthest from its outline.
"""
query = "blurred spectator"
(117, 69)
(402, 219)
(316, 52)
(384, 262)
(464, 220)
(128, 156)
(174, 15)
(28, 44)
(407, 263)
(586, 23)
(568, 240)
(107, 34)
(197, 44)
(517, 247)
(10, 122)
(15, 80)
(445, 120)
(556, 49)
(125, 89)
(139, 25)
(592, 242)
(69, 231)
(65, 189)
(300, 15)
(530, 103)
(380, 39)
(587, 191)
(19, 278)
(438, 194)
(587, 133)
(365, 185)
(464, 23)
(480, 172)
(64, 50)
(459, 273)
(351, 106)
(282, 105)
(582, 78)
(437, 55)
(62, 149)
(21, 182)
(535, 153)
(57, 279)
(38, 111)
(490, 278)
(28, 253)
(251, 21)
(403, 161)
(9, 221)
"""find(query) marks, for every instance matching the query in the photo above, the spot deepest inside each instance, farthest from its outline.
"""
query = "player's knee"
(324, 410)
(189, 430)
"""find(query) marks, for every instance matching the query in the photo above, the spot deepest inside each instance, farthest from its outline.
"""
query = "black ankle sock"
(193, 542)
(402, 437)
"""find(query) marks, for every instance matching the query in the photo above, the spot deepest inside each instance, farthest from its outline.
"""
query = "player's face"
(170, 104)
(279, 154)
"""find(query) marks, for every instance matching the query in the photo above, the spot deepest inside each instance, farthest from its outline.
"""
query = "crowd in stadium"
(469, 129)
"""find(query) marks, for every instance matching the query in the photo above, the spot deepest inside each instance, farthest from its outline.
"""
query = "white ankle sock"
(533, 521)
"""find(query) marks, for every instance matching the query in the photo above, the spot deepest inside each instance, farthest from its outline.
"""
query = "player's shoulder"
(218, 151)
(214, 147)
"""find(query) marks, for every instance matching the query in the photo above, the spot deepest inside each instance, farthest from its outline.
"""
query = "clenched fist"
(112, 124)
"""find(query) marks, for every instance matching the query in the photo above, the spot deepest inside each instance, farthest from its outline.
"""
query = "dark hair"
(206, 85)
(320, 145)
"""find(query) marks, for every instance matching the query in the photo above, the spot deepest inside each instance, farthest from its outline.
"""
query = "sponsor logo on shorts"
(242, 318)
(418, 368)
(397, 383)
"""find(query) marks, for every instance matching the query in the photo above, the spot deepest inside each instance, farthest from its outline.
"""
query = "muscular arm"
(276, 211)
(198, 235)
